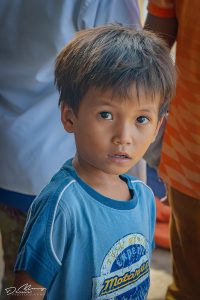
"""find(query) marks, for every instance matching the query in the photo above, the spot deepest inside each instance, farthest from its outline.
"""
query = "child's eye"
(142, 120)
(106, 115)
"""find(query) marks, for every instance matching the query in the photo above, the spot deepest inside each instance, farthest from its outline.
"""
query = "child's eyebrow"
(147, 110)
(116, 104)
(108, 104)
(105, 102)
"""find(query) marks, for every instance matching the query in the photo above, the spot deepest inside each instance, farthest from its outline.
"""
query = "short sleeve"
(44, 242)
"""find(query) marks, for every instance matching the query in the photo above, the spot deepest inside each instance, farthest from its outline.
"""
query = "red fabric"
(162, 225)
(160, 11)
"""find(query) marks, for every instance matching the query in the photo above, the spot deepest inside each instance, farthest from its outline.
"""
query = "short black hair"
(115, 56)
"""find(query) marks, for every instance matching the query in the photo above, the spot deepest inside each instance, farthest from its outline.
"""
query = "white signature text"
(25, 289)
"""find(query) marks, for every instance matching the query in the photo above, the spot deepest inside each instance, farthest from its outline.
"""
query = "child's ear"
(68, 118)
(160, 122)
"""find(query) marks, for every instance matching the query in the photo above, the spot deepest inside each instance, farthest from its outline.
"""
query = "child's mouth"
(120, 156)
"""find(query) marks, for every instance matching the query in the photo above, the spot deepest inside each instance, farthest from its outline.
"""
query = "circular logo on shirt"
(125, 271)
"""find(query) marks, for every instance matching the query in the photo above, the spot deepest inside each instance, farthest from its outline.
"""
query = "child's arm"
(161, 18)
(26, 288)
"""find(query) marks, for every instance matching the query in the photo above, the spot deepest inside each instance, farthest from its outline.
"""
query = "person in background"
(33, 142)
(180, 161)
(114, 84)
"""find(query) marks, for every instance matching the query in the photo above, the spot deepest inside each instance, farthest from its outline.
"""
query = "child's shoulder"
(144, 195)
(51, 195)
(46, 218)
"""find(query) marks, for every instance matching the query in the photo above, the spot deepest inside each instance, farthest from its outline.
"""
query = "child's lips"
(120, 156)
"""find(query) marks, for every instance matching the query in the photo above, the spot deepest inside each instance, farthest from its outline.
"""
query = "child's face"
(112, 134)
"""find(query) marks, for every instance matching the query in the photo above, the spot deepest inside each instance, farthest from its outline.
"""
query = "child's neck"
(111, 186)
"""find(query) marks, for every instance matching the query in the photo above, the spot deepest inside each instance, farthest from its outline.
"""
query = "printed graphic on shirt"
(125, 271)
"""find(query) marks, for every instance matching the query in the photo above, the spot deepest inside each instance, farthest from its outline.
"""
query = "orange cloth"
(180, 161)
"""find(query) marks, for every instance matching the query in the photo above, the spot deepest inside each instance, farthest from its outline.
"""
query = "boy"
(89, 234)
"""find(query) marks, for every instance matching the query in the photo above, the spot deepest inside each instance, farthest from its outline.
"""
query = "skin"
(165, 27)
(106, 127)
(111, 134)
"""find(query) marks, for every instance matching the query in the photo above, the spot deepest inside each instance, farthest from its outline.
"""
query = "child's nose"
(123, 135)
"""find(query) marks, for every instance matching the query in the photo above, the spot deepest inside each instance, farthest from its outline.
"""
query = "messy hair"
(116, 57)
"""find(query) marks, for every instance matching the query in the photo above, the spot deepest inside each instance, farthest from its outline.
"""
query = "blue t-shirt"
(80, 244)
